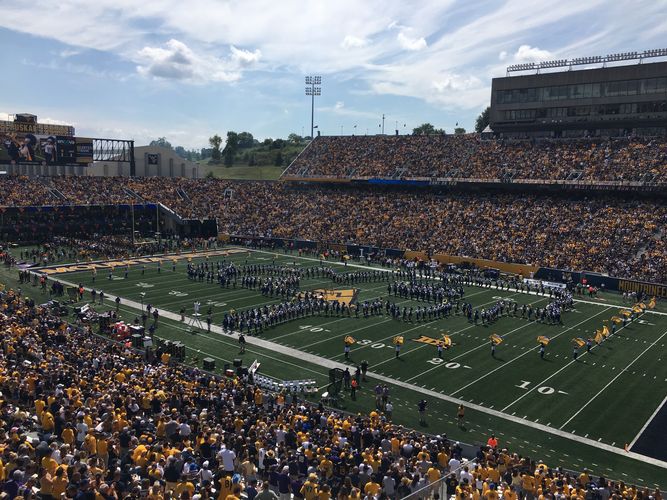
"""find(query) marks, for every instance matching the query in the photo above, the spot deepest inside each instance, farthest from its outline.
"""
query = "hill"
(263, 161)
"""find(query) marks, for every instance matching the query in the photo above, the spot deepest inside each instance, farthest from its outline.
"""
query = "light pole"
(313, 88)
(382, 123)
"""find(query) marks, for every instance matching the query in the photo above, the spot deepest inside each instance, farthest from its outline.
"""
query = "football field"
(568, 412)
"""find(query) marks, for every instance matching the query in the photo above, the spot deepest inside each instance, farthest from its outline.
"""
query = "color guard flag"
(398, 340)
(543, 340)
(651, 303)
(637, 309)
(616, 319)
(350, 340)
(598, 336)
(625, 312)
(446, 341)
(605, 331)
(579, 342)
(496, 339)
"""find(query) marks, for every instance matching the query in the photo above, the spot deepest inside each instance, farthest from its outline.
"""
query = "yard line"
(327, 323)
(468, 351)
(553, 375)
(614, 379)
(347, 333)
(455, 333)
(255, 293)
(425, 345)
(420, 325)
(524, 354)
(273, 339)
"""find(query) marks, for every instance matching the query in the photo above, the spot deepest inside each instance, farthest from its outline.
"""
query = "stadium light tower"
(313, 88)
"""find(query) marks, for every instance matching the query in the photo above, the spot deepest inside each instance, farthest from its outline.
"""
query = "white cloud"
(245, 57)
(526, 53)
(353, 42)
(176, 61)
(339, 109)
(68, 53)
(375, 46)
(409, 43)
(52, 121)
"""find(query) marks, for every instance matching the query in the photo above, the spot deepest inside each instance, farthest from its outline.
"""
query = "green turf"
(587, 397)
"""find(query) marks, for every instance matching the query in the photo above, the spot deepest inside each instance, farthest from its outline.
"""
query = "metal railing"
(438, 489)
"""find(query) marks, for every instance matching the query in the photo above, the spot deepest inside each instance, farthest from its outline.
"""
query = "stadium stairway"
(133, 194)
(48, 184)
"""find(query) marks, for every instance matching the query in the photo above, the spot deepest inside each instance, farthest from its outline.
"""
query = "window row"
(582, 91)
(596, 110)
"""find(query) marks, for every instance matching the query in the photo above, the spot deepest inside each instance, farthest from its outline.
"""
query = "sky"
(186, 70)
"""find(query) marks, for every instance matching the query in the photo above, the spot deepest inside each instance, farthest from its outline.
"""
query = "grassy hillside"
(242, 172)
(257, 162)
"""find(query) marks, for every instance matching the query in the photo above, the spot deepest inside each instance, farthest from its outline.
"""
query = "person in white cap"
(205, 473)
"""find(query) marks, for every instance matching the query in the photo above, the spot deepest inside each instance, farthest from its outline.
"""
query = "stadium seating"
(467, 156)
(83, 418)
(620, 236)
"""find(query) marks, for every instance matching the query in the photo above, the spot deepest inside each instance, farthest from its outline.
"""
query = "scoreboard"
(24, 141)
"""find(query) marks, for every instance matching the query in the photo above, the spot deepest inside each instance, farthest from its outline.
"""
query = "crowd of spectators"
(16, 191)
(83, 418)
(468, 156)
(619, 236)
(101, 247)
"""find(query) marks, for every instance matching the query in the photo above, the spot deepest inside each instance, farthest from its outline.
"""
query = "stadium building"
(604, 101)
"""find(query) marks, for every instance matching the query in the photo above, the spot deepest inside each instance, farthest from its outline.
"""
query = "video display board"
(26, 141)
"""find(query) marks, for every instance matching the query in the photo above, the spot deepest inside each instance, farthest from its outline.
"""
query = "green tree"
(215, 142)
(161, 141)
(279, 159)
(278, 144)
(245, 140)
(483, 120)
(231, 147)
(459, 130)
(427, 129)
(294, 138)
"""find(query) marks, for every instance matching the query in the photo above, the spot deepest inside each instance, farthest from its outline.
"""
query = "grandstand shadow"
(653, 441)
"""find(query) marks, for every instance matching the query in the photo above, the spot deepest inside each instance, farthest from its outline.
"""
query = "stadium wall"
(151, 161)
(462, 184)
(523, 270)
(602, 281)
